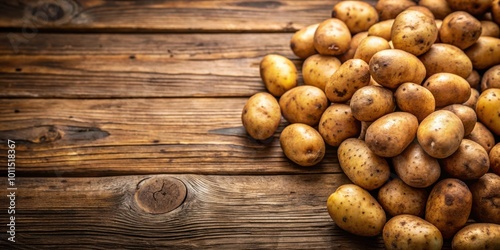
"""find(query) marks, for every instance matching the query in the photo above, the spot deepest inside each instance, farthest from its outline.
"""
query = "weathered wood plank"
(71, 137)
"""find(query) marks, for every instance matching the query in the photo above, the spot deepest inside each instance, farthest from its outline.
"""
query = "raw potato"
(261, 116)
(389, 9)
(439, 8)
(466, 114)
(369, 46)
(474, 7)
(469, 162)
(485, 198)
(413, 32)
(303, 104)
(317, 70)
(302, 144)
(491, 78)
(382, 29)
(356, 39)
(495, 159)
(397, 198)
(488, 109)
(338, 124)
(474, 78)
(471, 102)
(415, 99)
(371, 102)
(349, 77)
(447, 89)
(477, 236)
(278, 73)
(357, 15)
(485, 52)
(354, 210)
(443, 57)
(495, 11)
(363, 167)
(302, 42)
(389, 135)
(449, 206)
(460, 29)
(422, 9)
(440, 133)
(490, 28)
(393, 67)
(482, 135)
(411, 232)
(415, 167)
(332, 37)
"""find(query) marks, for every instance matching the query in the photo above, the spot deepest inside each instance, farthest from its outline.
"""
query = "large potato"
(332, 37)
(466, 114)
(302, 144)
(477, 236)
(278, 73)
(302, 42)
(317, 70)
(491, 78)
(469, 162)
(439, 8)
(349, 77)
(485, 52)
(357, 15)
(474, 7)
(440, 133)
(415, 167)
(363, 167)
(369, 46)
(415, 99)
(460, 29)
(303, 104)
(396, 197)
(443, 57)
(413, 32)
(371, 102)
(448, 88)
(337, 124)
(485, 198)
(261, 116)
(411, 232)
(382, 29)
(488, 109)
(495, 159)
(354, 210)
(390, 134)
(482, 135)
(449, 206)
(389, 9)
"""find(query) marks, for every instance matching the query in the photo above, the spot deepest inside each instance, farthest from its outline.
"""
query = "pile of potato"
(410, 97)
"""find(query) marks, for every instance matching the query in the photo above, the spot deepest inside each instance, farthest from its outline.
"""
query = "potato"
(474, 78)
(317, 70)
(485, 198)
(393, 67)
(460, 29)
(337, 124)
(371, 102)
(369, 46)
(484, 53)
(448, 88)
(477, 236)
(469, 162)
(488, 109)
(278, 73)
(397, 198)
(349, 77)
(302, 144)
(415, 99)
(411, 232)
(471, 102)
(466, 114)
(389, 9)
(415, 167)
(474, 7)
(413, 32)
(495, 11)
(495, 159)
(382, 29)
(439, 8)
(302, 42)
(390, 134)
(448, 206)
(354, 210)
(332, 37)
(261, 116)
(482, 135)
(356, 39)
(357, 15)
(426, 11)
(489, 28)
(440, 133)
(363, 167)
(303, 104)
(443, 57)
(491, 78)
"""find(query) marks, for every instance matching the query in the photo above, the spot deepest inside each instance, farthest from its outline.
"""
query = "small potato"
(448, 206)
(371, 102)
(471, 102)
(477, 236)
(363, 167)
(332, 37)
(390, 134)
(357, 15)
(302, 144)
(439, 8)
(448, 88)
(495, 159)
(411, 232)
(261, 116)
(488, 109)
(393, 67)
(474, 78)
(415, 99)
(415, 167)
(303, 104)
(482, 135)
(466, 114)
(485, 198)
(396, 197)
(389, 9)
(443, 57)
(440, 133)
(485, 52)
(490, 28)
(354, 210)
(474, 7)
(369, 46)
(460, 29)
(317, 70)
(491, 78)
(337, 124)
(302, 42)
(278, 73)
(382, 29)
(356, 39)
(349, 77)
(469, 162)
(413, 32)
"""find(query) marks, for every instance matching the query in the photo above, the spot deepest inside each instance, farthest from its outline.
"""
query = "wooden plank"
(71, 137)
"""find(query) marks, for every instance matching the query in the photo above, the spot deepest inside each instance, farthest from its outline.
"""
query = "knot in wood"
(54, 12)
(159, 195)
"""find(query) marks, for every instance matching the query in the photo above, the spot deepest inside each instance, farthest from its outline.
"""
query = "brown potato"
(337, 124)
(474, 7)
(485, 194)
(460, 29)
(477, 236)
(302, 42)
(466, 114)
(317, 70)
(302, 144)
(415, 99)
(495, 159)
(440, 133)
(369, 46)
(495, 11)
(303, 104)
(482, 135)
(484, 53)
(471, 102)
(382, 29)
(349, 77)
(411, 232)
(491, 78)
(490, 28)
(413, 32)
(332, 37)
(474, 78)
(396, 197)
(278, 73)
(488, 109)
(357, 15)
(371, 102)
(356, 39)
(443, 57)
(426, 11)
(469, 162)
(389, 9)
(448, 206)
(415, 167)
(439, 8)
(448, 88)
(261, 116)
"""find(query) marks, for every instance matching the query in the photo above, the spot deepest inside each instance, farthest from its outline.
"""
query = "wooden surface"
(126, 118)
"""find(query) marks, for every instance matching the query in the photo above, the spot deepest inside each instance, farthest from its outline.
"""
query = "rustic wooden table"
(125, 116)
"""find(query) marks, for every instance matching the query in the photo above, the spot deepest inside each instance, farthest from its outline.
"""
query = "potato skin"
(396, 197)
(382, 29)
(354, 210)
(469, 162)
(495, 11)
(488, 109)
(317, 70)
(439, 8)
(490, 28)
(302, 144)
(466, 114)
(349, 77)
(440, 133)
(474, 7)
(337, 124)
(477, 236)
(460, 29)
(302, 41)
(371, 102)
(447, 89)
(474, 78)
(278, 73)
(358, 16)
(415, 99)
(261, 116)
(448, 206)
(332, 37)
(485, 194)
(442, 57)
(369, 46)
(413, 32)
(415, 167)
(389, 9)
(303, 104)
(485, 52)
(491, 78)
(355, 40)
(495, 159)
(363, 167)
(411, 232)
(482, 135)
